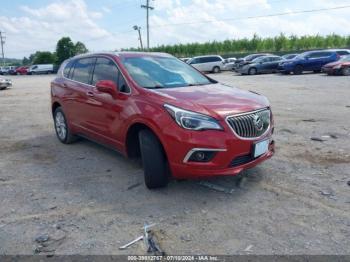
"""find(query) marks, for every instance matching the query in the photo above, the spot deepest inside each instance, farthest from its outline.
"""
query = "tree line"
(278, 44)
(65, 49)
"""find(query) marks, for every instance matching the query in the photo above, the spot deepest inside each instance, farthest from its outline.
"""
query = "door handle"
(64, 85)
(91, 94)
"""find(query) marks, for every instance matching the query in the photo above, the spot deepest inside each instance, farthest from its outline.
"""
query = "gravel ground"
(90, 200)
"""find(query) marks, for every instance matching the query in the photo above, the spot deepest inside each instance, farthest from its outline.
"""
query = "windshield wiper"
(154, 87)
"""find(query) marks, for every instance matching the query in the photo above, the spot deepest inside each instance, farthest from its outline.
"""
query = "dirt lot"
(90, 200)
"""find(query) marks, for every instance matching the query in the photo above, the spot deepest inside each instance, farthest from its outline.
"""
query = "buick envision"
(182, 123)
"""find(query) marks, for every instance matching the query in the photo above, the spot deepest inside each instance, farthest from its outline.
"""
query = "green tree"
(65, 49)
(44, 58)
(25, 61)
(80, 48)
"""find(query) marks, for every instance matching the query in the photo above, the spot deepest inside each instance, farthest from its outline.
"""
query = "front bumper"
(330, 70)
(234, 156)
(243, 70)
(5, 84)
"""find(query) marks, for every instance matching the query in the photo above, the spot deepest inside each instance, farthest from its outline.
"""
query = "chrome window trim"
(188, 155)
(248, 113)
(96, 56)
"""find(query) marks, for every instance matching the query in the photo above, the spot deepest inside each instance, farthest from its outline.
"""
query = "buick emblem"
(258, 123)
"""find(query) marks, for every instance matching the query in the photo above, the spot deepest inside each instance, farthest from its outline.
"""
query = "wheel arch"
(132, 144)
(55, 105)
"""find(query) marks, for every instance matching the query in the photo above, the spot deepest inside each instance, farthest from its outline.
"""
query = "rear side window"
(67, 68)
(82, 70)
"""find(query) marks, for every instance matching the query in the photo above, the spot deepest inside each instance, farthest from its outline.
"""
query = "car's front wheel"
(63, 132)
(153, 160)
(216, 69)
(252, 71)
(298, 70)
(345, 71)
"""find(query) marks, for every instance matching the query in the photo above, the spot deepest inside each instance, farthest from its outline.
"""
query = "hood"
(217, 100)
(332, 64)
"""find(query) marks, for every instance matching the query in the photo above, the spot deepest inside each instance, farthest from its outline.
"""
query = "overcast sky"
(107, 24)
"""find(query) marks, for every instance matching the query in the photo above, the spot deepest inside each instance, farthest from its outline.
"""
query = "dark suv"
(308, 61)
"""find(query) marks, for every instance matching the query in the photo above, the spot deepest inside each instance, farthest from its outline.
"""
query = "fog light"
(202, 156)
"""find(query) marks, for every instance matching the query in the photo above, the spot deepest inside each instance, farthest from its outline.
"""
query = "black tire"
(345, 71)
(216, 69)
(153, 160)
(298, 70)
(252, 71)
(317, 71)
(68, 138)
(3, 88)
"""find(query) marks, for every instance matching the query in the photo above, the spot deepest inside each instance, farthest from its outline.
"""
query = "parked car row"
(312, 61)
(28, 70)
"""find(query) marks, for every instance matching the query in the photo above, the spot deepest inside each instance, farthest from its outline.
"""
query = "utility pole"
(2, 42)
(148, 7)
(138, 29)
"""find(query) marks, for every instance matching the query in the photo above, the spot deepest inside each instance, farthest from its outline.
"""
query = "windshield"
(345, 58)
(163, 72)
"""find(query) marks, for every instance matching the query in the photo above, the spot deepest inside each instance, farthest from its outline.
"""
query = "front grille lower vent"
(251, 124)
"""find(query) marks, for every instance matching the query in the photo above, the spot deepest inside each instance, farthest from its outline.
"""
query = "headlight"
(191, 120)
(337, 66)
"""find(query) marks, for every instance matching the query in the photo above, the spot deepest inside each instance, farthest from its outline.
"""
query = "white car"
(40, 69)
(4, 70)
(209, 63)
(5, 83)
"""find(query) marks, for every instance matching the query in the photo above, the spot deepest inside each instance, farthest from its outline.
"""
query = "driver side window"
(105, 69)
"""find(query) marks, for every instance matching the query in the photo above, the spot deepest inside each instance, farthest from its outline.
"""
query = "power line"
(147, 7)
(256, 17)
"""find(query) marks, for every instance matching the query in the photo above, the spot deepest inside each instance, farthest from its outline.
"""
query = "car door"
(201, 64)
(105, 111)
(196, 63)
(273, 64)
(80, 90)
(263, 65)
(313, 61)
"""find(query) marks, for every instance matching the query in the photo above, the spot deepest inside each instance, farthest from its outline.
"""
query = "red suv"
(182, 123)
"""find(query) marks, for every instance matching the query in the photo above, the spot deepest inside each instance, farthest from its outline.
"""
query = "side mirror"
(107, 86)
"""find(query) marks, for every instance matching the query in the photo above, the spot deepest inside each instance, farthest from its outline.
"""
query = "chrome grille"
(251, 124)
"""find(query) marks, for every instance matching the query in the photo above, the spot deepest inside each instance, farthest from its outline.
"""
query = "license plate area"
(261, 148)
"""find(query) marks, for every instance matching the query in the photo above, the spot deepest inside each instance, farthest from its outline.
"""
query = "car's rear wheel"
(298, 70)
(216, 69)
(63, 131)
(317, 71)
(153, 160)
(345, 71)
(252, 71)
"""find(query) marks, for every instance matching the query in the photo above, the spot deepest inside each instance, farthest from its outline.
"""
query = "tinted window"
(216, 59)
(276, 58)
(67, 69)
(342, 52)
(195, 61)
(105, 69)
(204, 60)
(82, 70)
